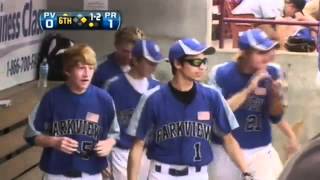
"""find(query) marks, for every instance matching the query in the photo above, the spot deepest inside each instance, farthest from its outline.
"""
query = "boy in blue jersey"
(176, 120)
(252, 87)
(75, 122)
(126, 90)
(119, 61)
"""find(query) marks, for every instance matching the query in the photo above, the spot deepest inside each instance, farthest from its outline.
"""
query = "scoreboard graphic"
(80, 20)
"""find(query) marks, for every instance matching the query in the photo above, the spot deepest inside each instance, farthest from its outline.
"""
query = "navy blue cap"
(188, 46)
(256, 39)
(148, 49)
(304, 34)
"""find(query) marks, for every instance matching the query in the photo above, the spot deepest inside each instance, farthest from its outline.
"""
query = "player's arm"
(232, 147)
(104, 146)
(134, 159)
(237, 100)
(276, 107)
(64, 144)
(224, 124)
(293, 144)
(36, 132)
(141, 123)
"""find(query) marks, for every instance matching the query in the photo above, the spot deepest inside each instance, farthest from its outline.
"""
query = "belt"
(73, 174)
(177, 172)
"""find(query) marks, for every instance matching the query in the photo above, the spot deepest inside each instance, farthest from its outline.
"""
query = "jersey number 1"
(197, 153)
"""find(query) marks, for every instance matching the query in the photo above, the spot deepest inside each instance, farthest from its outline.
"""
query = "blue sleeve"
(39, 120)
(142, 120)
(215, 79)
(224, 119)
(276, 73)
(213, 75)
(113, 124)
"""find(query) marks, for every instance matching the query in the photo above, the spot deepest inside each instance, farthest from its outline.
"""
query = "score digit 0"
(48, 20)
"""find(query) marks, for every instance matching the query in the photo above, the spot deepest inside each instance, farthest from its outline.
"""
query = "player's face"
(194, 67)
(79, 77)
(260, 59)
(145, 67)
(124, 53)
(289, 9)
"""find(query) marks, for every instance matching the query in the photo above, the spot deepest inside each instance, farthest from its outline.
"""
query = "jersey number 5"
(197, 152)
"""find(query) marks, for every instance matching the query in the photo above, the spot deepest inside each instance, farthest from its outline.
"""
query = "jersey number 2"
(197, 153)
(253, 124)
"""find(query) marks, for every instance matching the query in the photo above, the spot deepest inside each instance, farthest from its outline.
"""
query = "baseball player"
(75, 122)
(119, 61)
(252, 88)
(126, 90)
(176, 120)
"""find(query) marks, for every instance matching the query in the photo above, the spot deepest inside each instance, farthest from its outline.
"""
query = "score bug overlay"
(80, 20)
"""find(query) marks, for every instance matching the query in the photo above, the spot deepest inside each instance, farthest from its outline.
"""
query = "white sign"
(95, 5)
(20, 38)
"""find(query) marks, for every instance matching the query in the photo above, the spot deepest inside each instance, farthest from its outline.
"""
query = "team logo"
(92, 117)
(204, 115)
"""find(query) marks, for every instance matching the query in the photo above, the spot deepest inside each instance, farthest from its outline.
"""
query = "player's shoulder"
(56, 94)
(153, 94)
(107, 61)
(114, 81)
(101, 94)
(209, 90)
(56, 91)
(222, 69)
(153, 82)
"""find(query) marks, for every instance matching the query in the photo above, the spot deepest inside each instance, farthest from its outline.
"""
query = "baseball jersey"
(86, 118)
(178, 133)
(106, 71)
(126, 99)
(253, 116)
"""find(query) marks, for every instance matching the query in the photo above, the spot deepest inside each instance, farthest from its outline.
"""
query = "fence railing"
(223, 20)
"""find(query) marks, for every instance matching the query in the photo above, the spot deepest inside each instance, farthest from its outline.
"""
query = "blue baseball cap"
(188, 46)
(256, 39)
(304, 34)
(148, 49)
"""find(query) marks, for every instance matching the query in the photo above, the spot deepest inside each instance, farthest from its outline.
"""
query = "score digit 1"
(111, 20)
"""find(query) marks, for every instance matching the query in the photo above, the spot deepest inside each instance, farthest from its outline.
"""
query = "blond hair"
(128, 35)
(79, 53)
(244, 54)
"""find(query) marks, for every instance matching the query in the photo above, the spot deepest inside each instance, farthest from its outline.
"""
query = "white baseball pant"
(120, 161)
(263, 162)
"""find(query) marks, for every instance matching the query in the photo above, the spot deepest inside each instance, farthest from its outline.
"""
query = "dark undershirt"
(185, 97)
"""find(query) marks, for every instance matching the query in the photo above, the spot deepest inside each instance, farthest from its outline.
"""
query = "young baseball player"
(252, 88)
(176, 120)
(119, 61)
(75, 122)
(126, 90)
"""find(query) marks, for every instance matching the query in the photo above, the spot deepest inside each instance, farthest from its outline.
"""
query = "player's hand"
(104, 147)
(257, 77)
(276, 88)
(65, 144)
